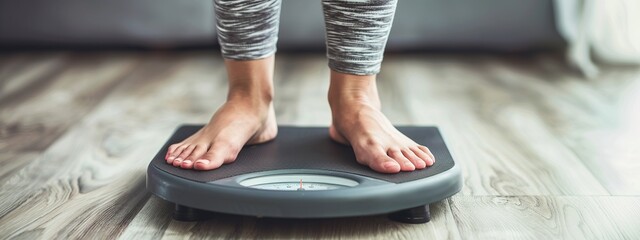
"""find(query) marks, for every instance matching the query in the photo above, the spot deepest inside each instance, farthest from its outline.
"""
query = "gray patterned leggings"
(356, 31)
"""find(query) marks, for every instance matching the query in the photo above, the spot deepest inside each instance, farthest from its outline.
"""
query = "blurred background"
(501, 25)
(538, 100)
(587, 29)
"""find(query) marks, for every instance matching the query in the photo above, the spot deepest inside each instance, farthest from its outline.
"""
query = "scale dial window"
(298, 182)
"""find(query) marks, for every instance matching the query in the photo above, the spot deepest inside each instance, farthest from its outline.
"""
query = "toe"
(385, 164)
(196, 154)
(171, 152)
(405, 164)
(430, 160)
(176, 152)
(186, 152)
(380, 162)
(205, 164)
(177, 162)
(424, 157)
(172, 148)
(417, 162)
(219, 153)
(210, 160)
(187, 164)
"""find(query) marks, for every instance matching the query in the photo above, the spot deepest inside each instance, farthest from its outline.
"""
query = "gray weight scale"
(304, 174)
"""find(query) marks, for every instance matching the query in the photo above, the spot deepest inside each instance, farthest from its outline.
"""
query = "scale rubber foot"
(414, 215)
(188, 214)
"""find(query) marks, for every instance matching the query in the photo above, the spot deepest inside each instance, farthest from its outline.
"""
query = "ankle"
(349, 90)
(254, 94)
(251, 81)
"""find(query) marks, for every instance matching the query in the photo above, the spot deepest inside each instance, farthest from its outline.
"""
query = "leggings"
(356, 31)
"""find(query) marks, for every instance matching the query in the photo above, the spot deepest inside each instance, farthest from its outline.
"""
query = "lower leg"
(247, 117)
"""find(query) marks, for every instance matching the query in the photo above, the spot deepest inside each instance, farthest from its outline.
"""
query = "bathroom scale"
(302, 173)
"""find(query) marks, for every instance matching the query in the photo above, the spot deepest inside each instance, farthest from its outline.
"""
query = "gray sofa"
(504, 25)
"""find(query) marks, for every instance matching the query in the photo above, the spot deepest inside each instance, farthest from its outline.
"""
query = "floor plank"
(38, 105)
(12, 162)
(546, 217)
(19, 71)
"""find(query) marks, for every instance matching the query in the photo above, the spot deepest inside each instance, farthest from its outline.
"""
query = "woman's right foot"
(247, 117)
(235, 124)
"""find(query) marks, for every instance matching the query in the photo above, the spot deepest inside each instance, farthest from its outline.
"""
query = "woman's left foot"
(358, 121)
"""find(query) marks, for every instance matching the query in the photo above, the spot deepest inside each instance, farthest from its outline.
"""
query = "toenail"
(171, 158)
(203, 161)
(187, 161)
(390, 165)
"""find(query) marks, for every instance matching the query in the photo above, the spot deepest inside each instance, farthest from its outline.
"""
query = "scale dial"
(298, 182)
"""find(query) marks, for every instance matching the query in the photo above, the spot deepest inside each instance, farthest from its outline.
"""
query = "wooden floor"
(545, 154)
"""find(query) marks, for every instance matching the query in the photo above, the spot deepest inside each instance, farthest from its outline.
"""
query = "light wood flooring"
(545, 153)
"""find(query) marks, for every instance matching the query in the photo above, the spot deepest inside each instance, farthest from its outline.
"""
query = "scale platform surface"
(304, 174)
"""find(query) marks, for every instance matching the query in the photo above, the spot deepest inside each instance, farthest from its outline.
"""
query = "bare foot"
(247, 117)
(358, 121)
